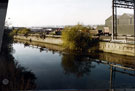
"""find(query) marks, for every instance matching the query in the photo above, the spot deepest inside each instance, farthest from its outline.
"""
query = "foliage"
(77, 38)
(24, 31)
(14, 32)
(21, 31)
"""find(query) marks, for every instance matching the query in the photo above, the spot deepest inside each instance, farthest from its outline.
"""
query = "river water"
(63, 70)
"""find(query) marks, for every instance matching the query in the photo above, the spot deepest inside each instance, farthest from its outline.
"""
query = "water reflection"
(19, 78)
(77, 65)
(73, 71)
(127, 61)
(114, 79)
(12, 75)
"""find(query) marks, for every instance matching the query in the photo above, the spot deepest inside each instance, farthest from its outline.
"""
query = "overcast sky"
(59, 12)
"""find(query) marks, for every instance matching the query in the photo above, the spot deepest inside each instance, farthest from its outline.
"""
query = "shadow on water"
(12, 75)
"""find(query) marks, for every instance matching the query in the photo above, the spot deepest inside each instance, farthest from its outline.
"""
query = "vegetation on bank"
(21, 31)
(78, 38)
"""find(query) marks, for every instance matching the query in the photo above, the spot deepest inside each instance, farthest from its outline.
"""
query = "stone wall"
(118, 48)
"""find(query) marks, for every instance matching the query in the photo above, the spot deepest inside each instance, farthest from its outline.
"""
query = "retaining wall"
(49, 40)
(111, 47)
(118, 48)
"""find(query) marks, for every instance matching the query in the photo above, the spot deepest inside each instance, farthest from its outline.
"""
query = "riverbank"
(49, 40)
(117, 48)
(40, 45)
(127, 61)
(110, 47)
(55, 66)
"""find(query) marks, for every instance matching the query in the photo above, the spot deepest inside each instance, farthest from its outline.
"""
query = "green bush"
(14, 32)
(77, 38)
(24, 31)
(21, 31)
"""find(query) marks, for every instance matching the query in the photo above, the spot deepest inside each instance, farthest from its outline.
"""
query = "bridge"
(128, 4)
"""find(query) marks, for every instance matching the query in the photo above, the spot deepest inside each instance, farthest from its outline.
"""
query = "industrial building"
(125, 25)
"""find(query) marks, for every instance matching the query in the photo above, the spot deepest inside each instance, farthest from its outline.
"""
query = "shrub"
(21, 31)
(14, 32)
(24, 31)
(77, 38)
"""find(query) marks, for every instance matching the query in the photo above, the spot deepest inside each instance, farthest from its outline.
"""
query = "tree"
(25, 31)
(21, 31)
(76, 37)
(14, 32)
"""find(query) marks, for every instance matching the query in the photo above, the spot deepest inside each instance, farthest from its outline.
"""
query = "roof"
(128, 14)
(109, 18)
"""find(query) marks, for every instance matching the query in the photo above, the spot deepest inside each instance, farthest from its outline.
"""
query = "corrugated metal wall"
(125, 24)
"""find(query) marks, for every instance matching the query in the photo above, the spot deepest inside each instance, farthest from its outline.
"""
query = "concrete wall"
(42, 45)
(49, 40)
(117, 48)
(3, 10)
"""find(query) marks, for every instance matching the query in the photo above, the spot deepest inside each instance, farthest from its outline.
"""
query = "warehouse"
(125, 24)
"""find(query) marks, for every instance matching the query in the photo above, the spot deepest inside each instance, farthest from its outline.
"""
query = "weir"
(3, 11)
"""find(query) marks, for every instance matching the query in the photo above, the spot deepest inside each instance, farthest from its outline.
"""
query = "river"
(62, 70)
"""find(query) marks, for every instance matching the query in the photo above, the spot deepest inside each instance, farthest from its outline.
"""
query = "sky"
(29, 13)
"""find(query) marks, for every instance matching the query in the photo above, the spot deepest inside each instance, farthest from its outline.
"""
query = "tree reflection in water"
(77, 65)
(12, 75)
